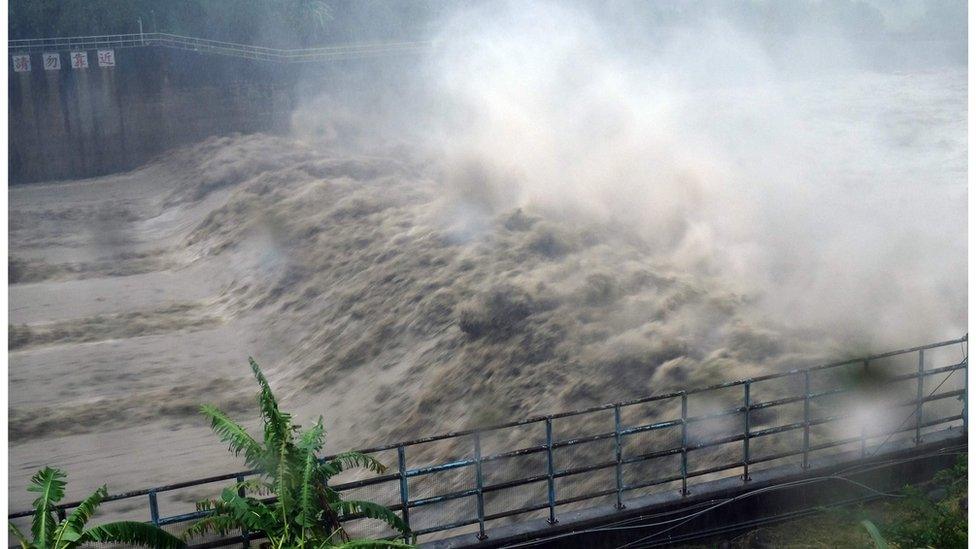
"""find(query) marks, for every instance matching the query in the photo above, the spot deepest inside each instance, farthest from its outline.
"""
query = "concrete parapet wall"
(77, 123)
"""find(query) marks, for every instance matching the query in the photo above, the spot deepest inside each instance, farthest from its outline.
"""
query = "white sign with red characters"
(52, 61)
(21, 63)
(79, 60)
(106, 58)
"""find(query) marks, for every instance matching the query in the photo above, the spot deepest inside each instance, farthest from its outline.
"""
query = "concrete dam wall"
(72, 123)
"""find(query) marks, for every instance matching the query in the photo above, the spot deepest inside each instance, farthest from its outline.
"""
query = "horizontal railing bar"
(701, 472)
(841, 442)
(715, 469)
(925, 373)
(371, 481)
(650, 483)
(438, 499)
(717, 442)
(515, 453)
(948, 394)
(439, 468)
(252, 51)
(778, 429)
(441, 528)
(584, 469)
(585, 497)
(513, 483)
(650, 427)
(582, 440)
(652, 455)
(519, 511)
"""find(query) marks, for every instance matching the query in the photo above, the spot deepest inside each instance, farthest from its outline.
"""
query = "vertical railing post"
(404, 490)
(864, 422)
(684, 443)
(747, 403)
(965, 394)
(480, 485)
(550, 472)
(245, 534)
(918, 397)
(806, 420)
(153, 508)
(618, 451)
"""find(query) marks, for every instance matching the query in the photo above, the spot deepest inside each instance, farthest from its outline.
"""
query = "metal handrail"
(552, 473)
(188, 43)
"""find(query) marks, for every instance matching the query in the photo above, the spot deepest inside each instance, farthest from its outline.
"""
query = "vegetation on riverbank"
(932, 515)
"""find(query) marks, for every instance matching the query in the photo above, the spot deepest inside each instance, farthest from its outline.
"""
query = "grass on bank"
(931, 515)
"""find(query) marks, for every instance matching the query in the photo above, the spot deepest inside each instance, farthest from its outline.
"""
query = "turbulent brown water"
(534, 251)
(137, 297)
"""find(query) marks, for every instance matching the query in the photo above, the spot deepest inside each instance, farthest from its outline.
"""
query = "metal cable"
(616, 526)
(965, 358)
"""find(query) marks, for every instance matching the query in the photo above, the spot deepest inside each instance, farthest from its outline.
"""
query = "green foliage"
(922, 521)
(879, 541)
(49, 484)
(304, 512)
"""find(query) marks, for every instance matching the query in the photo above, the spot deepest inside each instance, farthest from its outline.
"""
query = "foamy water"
(387, 293)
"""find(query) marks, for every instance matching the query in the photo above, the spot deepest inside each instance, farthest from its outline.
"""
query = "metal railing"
(748, 421)
(187, 43)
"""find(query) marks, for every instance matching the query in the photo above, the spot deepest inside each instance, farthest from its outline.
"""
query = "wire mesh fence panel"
(767, 390)
(582, 425)
(935, 411)
(830, 439)
(610, 454)
(498, 441)
(649, 472)
(945, 355)
(762, 448)
(714, 401)
(727, 456)
(368, 529)
(386, 458)
(708, 430)
(439, 452)
(441, 483)
(578, 490)
(540, 514)
(385, 493)
(513, 468)
(516, 497)
(646, 413)
(443, 513)
(647, 441)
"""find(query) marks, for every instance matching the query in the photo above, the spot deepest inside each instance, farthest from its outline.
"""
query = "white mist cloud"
(833, 193)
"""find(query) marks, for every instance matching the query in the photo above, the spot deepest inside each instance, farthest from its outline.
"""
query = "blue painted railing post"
(806, 420)
(480, 484)
(747, 402)
(153, 508)
(404, 490)
(245, 534)
(618, 450)
(918, 397)
(684, 443)
(550, 471)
